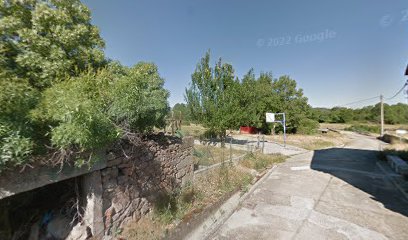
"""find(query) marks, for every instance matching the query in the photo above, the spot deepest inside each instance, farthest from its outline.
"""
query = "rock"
(78, 232)
(58, 227)
(114, 162)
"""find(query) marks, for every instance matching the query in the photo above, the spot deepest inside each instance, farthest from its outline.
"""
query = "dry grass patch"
(206, 155)
(172, 208)
(260, 162)
(312, 142)
(145, 228)
(195, 130)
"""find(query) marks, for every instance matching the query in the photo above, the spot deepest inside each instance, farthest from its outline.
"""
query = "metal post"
(231, 149)
(284, 130)
(258, 139)
(382, 115)
(263, 144)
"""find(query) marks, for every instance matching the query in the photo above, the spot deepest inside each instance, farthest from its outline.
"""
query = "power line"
(406, 84)
(359, 101)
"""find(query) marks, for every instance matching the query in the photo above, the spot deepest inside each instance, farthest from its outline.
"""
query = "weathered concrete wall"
(138, 173)
(122, 186)
(13, 181)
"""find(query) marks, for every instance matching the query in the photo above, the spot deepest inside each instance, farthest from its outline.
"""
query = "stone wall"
(138, 171)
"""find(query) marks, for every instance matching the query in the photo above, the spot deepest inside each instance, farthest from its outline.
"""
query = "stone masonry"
(138, 172)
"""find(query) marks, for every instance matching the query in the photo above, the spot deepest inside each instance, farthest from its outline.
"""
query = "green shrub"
(307, 126)
(92, 110)
(139, 101)
(76, 107)
(15, 149)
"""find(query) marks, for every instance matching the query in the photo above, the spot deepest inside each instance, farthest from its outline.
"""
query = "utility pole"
(382, 115)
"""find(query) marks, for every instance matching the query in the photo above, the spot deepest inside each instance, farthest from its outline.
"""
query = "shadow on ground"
(359, 168)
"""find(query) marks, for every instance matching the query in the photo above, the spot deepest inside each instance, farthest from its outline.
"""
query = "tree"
(42, 43)
(94, 109)
(139, 101)
(45, 41)
(212, 95)
(220, 101)
(181, 112)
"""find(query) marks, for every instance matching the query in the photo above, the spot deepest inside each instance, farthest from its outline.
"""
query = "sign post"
(270, 118)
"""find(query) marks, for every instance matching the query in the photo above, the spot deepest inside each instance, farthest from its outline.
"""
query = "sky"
(337, 51)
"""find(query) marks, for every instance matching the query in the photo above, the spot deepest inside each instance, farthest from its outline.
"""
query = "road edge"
(213, 222)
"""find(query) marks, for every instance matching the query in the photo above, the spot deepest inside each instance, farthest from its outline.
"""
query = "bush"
(93, 109)
(139, 101)
(14, 148)
(307, 126)
(17, 98)
(76, 107)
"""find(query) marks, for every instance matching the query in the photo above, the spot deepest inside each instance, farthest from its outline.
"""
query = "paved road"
(327, 194)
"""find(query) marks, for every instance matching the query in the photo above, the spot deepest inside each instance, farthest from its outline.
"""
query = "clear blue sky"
(364, 54)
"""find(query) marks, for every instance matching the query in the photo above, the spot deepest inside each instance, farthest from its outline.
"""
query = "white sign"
(270, 117)
(401, 132)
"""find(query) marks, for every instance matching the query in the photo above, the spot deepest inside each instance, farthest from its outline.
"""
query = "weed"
(260, 162)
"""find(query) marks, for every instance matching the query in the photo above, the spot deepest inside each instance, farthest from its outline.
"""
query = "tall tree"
(212, 95)
(46, 41)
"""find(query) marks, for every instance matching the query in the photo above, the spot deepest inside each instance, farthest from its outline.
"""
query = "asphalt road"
(337, 193)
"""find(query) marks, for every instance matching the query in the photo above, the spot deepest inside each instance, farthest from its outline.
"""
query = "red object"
(249, 130)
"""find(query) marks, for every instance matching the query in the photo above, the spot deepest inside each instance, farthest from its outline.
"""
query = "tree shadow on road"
(359, 168)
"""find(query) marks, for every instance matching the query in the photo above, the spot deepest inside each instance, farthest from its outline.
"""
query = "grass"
(145, 228)
(183, 205)
(206, 155)
(260, 162)
(363, 128)
(336, 126)
(194, 130)
(312, 142)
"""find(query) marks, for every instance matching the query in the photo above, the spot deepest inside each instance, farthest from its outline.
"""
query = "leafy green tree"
(212, 95)
(94, 109)
(45, 41)
(77, 110)
(181, 112)
(139, 101)
(220, 101)
(291, 101)
(42, 43)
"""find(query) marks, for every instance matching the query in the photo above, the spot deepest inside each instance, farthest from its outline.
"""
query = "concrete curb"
(213, 222)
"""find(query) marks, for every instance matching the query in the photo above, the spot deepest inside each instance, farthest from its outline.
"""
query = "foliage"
(14, 148)
(212, 95)
(42, 43)
(139, 101)
(173, 205)
(57, 87)
(45, 41)
(219, 100)
(76, 107)
(361, 128)
(307, 126)
(16, 99)
(92, 109)
(393, 114)
(181, 112)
